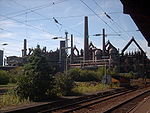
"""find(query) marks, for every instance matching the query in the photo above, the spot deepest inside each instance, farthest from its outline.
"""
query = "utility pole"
(103, 39)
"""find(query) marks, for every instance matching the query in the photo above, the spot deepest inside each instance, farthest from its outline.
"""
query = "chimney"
(104, 48)
(24, 51)
(86, 39)
(71, 59)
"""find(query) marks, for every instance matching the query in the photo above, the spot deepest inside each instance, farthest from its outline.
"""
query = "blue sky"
(33, 20)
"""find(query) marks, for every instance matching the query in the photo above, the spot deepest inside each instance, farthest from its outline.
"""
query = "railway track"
(52, 106)
(86, 103)
(128, 105)
(116, 104)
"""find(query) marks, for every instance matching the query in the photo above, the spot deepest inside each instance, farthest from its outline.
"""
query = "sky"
(34, 20)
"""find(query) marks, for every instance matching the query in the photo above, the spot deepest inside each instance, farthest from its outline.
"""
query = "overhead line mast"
(105, 35)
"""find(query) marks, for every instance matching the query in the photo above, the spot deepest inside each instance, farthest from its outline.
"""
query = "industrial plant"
(90, 56)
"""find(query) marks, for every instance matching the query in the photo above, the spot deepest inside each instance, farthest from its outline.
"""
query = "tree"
(36, 80)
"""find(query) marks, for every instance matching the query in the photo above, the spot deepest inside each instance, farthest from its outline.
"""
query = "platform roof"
(139, 10)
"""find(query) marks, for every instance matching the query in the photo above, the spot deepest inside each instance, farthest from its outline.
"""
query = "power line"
(26, 24)
(55, 20)
(98, 16)
(23, 12)
(108, 16)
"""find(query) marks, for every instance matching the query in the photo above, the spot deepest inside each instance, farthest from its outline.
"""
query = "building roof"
(139, 11)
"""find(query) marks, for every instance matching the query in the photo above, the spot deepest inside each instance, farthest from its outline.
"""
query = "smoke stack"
(104, 48)
(86, 40)
(71, 60)
(24, 51)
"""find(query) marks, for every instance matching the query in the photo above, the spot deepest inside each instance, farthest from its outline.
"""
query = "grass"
(11, 99)
(91, 87)
(9, 85)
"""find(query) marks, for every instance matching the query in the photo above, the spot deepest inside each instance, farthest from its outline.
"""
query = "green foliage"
(74, 73)
(11, 98)
(4, 78)
(129, 75)
(15, 74)
(88, 87)
(62, 84)
(36, 79)
(112, 71)
(86, 75)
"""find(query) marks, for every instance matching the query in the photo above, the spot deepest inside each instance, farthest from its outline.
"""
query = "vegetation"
(4, 78)
(112, 71)
(15, 74)
(90, 87)
(36, 80)
(86, 75)
(62, 84)
(11, 98)
(129, 75)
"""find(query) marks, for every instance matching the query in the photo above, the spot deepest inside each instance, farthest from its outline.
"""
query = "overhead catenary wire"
(108, 16)
(30, 10)
(42, 30)
(55, 20)
(98, 16)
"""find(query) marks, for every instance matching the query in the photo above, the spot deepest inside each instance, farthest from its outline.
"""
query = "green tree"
(36, 80)
(62, 84)
(4, 78)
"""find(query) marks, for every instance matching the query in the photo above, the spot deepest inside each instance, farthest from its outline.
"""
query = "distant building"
(1, 57)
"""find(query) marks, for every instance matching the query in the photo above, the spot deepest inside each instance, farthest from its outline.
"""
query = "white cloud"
(6, 35)
(77, 24)
(8, 24)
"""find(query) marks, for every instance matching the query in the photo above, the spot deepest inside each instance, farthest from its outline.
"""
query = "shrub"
(36, 80)
(14, 74)
(62, 84)
(112, 71)
(87, 75)
(4, 78)
(130, 75)
(74, 73)
(11, 98)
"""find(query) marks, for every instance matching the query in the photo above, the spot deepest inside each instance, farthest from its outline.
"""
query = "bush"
(112, 71)
(130, 75)
(86, 75)
(36, 80)
(4, 78)
(74, 73)
(62, 84)
(14, 74)
(11, 98)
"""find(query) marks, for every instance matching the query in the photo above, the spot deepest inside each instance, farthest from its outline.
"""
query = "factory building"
(90, 56)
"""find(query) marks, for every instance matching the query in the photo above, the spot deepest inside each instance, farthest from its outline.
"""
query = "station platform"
(143, 106)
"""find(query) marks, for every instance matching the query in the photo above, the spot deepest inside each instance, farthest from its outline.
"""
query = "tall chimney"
(25, 48)
(86, 40)
(104, 48)
(71, 60)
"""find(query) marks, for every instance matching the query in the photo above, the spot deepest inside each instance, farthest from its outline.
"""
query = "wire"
(98, 16)
(26, 24)
(32, 9)
(127, 33)
(55, 20)
(109, 17)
